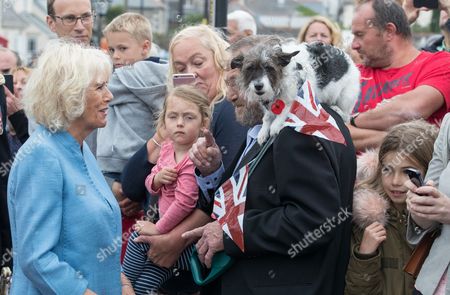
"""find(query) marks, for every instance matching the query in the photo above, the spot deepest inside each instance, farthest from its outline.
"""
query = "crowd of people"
(117, 178)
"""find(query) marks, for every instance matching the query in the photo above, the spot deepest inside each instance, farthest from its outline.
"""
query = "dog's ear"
(285, 58)
(236, 63)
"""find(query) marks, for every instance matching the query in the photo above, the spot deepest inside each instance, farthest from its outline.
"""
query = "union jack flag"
(229, 205)
(308, 117)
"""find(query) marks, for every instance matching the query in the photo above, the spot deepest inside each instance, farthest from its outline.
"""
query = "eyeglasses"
(71, 20)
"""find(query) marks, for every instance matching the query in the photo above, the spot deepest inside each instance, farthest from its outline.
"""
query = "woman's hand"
(374, 235)
(128, 207)
(412, 13)
(116, 188)
(411, 199)
(146, 228)
(429, 204)
(164, 249)
(154, 144)
(13, 105)
(445, 6)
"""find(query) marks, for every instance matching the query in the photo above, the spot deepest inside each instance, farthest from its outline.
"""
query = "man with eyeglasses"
(71, 19)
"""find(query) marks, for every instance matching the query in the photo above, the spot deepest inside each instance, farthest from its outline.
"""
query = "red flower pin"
(277, 106)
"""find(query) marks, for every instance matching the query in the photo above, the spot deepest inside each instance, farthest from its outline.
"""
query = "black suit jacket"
(297, 221)
(20, 124)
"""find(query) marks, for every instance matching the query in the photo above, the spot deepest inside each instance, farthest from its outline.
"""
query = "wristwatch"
(352, 119)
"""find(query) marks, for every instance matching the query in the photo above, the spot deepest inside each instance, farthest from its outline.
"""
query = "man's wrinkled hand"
(211, 241)
(206, 154)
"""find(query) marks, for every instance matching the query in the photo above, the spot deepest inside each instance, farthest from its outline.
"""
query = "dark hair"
(50, 8)
(389, 11)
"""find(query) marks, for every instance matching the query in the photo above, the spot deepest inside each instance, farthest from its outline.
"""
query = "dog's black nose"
(259, 86)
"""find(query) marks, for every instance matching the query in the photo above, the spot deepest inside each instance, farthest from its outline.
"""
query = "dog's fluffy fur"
(277, 68)
(332, 72)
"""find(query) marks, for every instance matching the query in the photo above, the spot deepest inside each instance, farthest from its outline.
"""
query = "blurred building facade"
(23, 27)
(22, 24)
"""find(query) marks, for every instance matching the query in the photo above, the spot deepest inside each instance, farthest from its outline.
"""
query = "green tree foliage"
(306, 11)
(192, 19)
(114, 11)
(434, 26)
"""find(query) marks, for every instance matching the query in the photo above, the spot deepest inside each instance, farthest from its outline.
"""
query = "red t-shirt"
(432, 69)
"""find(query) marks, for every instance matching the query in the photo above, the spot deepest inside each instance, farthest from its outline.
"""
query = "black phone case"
(9, 82)
(431, 4)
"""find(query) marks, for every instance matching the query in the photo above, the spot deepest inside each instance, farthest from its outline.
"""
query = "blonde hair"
(212, 40)
(335, 31)
(135, 24)
(190, 94)
(413, 141)
(26, 70)
(55, 93)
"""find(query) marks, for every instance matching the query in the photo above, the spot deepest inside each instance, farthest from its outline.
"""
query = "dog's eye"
(269, 68)
(250, 68)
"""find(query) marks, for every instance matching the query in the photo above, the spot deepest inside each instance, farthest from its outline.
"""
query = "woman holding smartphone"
(429, 207)
(200, 51)
(197, 56)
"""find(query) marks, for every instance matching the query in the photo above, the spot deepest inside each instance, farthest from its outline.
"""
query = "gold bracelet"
(157, 143)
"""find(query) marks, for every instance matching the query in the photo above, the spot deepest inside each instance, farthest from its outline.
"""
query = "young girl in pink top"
(185, 112)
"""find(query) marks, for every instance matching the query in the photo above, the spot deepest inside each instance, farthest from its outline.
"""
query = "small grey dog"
(277, 68)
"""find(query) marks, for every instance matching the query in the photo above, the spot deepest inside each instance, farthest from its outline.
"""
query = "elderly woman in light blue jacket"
(429, 210)
(65, 222)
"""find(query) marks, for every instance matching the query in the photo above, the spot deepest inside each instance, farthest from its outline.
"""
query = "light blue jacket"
(65, 222)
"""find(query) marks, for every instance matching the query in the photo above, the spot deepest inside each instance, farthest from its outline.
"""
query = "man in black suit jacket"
(9, 109)
(297, 219)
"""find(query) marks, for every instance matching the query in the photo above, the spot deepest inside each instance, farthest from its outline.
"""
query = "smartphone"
(431, 4)
(415, 176)
(9, 82)
(181, 79)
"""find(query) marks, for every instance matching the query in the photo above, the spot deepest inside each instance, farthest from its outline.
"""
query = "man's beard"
(250, 115)
(381, 60)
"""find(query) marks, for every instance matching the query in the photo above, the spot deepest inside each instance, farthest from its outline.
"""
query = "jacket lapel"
(251, 154)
